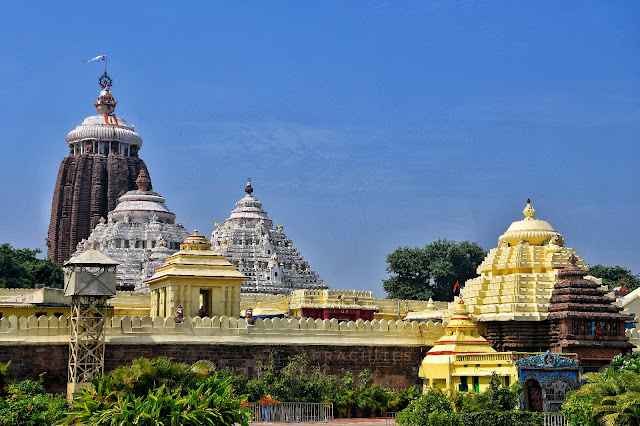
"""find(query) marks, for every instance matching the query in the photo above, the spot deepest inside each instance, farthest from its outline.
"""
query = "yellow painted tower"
(510, 298)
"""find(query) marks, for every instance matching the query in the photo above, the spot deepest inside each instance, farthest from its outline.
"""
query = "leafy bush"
(629, 361)
(501, 418)
(160, 392)
(26, 403)
(432, 408)
(495, 397)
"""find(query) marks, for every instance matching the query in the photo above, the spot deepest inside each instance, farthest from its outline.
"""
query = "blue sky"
(365, 126)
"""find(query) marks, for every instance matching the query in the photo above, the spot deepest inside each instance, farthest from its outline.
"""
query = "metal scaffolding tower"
(90, 281)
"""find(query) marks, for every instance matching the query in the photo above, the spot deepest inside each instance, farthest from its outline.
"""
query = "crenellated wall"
(634, 338)
(225, 330)
(391, 350)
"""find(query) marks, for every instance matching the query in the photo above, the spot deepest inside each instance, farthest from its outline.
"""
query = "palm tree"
(616, 397)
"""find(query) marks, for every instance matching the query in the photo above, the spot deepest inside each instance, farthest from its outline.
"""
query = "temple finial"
(529, 211)
(143, 181)
(248, 189)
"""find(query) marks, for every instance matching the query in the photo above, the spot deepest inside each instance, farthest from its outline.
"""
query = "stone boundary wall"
(394, 367)
(225, 330)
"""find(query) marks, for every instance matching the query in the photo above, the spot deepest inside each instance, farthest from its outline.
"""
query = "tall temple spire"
(102, 164)
(248, 189)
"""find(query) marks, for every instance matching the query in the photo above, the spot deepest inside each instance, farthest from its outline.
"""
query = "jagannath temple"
(102, 165)
(261, 252)
(140, 234)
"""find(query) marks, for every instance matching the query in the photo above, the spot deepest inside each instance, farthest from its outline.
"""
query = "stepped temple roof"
(461, 336)
(261, 252)
(584, 320)
(196, 259)
(516, 278)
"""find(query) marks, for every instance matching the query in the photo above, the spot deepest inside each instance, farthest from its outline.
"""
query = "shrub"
(421, 411)
(159, 392)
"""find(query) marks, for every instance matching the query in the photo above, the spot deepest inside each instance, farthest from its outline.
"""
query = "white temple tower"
(139, 234)
(261, 252)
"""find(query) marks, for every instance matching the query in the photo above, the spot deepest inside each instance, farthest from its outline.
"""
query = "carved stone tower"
(102, 165)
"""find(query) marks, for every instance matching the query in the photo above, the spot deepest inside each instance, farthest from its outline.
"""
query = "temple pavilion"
(196, 278)
(140, 234)
(264, 254)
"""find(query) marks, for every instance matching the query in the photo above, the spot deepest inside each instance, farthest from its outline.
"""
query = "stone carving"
(547, 359)
(261, 252)
(136, 242)
(89, 182)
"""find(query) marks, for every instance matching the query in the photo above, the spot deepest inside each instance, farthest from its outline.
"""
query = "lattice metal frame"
(87, 342)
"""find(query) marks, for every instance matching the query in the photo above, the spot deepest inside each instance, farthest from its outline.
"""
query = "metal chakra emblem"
(105, 81)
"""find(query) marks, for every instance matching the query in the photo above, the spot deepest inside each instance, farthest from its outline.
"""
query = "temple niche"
(140, 234)
(261, 252)
(102, 164)
(510, 298)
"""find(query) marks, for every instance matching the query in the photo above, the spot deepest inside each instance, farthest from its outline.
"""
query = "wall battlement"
(125, 330)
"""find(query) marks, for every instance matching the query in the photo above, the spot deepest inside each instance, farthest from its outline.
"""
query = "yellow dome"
(196, 242)
(531, 230)
(517, 278)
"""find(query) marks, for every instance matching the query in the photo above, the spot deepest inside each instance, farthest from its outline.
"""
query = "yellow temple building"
(196, 277)
(464, 360)
(510, 298)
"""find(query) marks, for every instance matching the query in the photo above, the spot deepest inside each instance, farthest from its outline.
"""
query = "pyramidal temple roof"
(517, 278)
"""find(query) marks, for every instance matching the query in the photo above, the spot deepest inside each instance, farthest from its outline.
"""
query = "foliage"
(577, 409)
(298, 381)
(20, 268)
(629, 361)
(501, 418)
(433, 270)
(432, 408)
(26, 403)
(495, 397)
(493, 407)
(611, 396)
(615, 276)
(159, 392)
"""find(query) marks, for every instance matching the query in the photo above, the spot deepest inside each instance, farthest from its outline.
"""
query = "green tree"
(610, 397)
(615, 276)
(20, 268)
(432, 271)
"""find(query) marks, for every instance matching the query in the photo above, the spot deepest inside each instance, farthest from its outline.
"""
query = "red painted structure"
(339, 313)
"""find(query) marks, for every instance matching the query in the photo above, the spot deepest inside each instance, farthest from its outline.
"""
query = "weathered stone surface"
(390, 366)
(87, 188)
(584, 321)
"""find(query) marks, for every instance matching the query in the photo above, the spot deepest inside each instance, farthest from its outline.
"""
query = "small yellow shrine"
(196, 277)
(464, 360)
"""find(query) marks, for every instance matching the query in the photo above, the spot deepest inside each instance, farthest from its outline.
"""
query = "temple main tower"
(102, 165)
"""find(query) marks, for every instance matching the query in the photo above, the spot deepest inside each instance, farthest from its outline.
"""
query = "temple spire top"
(529, 211)
(248, 189)
(143, 182)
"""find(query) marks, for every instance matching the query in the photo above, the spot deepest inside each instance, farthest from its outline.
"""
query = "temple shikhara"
(140, 234)
(102, 165)
(261, 252)
(510, 299)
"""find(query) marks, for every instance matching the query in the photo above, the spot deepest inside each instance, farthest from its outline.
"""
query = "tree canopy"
(615, 276)
(432, 271)
(20, 268)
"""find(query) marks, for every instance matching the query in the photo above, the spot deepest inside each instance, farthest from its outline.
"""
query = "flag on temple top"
(101, 58)
(455, 287)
